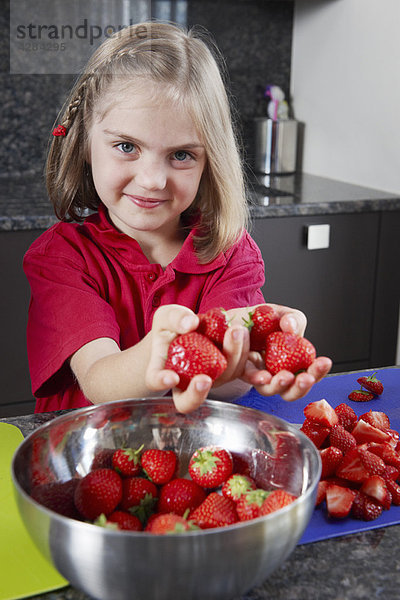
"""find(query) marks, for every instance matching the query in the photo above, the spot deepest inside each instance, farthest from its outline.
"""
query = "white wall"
(346, 88)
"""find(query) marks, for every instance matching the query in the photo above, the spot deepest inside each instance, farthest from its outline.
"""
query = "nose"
(150, 173)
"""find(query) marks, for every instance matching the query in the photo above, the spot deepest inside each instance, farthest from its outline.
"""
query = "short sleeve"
(239, 282)
(66, 311)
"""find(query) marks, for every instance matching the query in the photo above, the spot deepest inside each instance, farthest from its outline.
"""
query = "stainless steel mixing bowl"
(210, 564)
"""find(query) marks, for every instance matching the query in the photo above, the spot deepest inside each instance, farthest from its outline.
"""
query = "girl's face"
(147, 160)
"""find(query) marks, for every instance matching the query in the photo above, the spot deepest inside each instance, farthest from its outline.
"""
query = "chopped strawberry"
(365, 508)
(340, 438)
(391, 473)
(215, 511)
(386, 452)
(361, 396)
(394, 489)
(364, 432)
(321, 491)
(276, 500)
(371, 384)
(331, 458)
(375, 486)
(347, 416)
(352, 467)
(315, 432)
(394, 439)
(377, 419)
(339, 500)
(321, 412)
(373, 463)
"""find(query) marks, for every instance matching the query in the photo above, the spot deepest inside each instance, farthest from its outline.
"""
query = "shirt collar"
(128, 248)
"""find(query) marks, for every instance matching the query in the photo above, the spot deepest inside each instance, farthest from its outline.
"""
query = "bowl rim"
(140, 534)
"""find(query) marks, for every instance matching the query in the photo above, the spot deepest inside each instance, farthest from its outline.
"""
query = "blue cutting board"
(335, 389)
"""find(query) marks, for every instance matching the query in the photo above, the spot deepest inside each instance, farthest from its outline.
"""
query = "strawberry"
(340, 438)
(126, 461)
(315, 432)
(371, 384)
(102, 459)
(261, 321)
(210, 466)
(167, 523)
(361, 396)
(159, 465)
(373, 463)
(215, 511)
(288, 351)
(347, 416)
(139, 496)
(386, 452)
(321, 412)
(331, 458)
(275, 500)
(364, 432)
(191, 354)
(236, 485)
(375, 486)
(58, 496)
(377, 419)
(321, 491)
(180, 494)
(125, 520)
(390, 473)
(365, 508)
(249, 504)
(352, 467)
(100, 491)
(394, 489)
(339, 500)
(213, 324)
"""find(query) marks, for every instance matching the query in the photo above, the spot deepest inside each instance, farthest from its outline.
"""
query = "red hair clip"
(60, 131)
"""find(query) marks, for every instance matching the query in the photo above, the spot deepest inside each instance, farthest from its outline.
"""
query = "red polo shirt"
(90, 281)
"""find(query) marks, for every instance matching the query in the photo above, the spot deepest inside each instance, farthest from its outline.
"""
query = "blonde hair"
(191, 72)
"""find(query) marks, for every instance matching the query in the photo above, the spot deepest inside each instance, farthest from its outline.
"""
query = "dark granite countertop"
(358, 566)
(24, 203)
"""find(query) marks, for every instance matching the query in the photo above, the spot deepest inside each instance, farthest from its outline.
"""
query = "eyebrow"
(124, 136)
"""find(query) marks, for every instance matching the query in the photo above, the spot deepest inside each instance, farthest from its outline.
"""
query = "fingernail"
(187, 323)
(201, 386)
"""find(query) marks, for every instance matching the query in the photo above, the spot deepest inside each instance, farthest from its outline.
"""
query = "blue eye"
(126, 147)
(181, 155)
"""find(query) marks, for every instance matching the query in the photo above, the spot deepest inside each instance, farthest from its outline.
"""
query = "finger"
(236, 348)
(300, 387)
(174, 318)
(320, 367)
(197, 391)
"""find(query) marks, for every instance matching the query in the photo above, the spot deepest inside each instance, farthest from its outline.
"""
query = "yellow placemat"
(24, 572)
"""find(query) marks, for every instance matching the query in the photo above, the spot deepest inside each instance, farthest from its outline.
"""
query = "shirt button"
(151, 276)
(156, 300)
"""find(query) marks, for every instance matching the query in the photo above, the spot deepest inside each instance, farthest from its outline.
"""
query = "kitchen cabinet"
(349, 290)
(16, 395)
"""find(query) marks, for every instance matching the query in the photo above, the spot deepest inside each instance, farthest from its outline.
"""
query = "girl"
(145, 150)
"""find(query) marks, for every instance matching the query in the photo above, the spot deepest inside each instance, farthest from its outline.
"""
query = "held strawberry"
(210, 466)
(287, 351)
(213, 324)
(159, 465)
(261, 321)
(371, 384)
(192, 354)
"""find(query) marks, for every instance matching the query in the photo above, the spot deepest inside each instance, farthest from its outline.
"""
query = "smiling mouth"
(144, 202)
